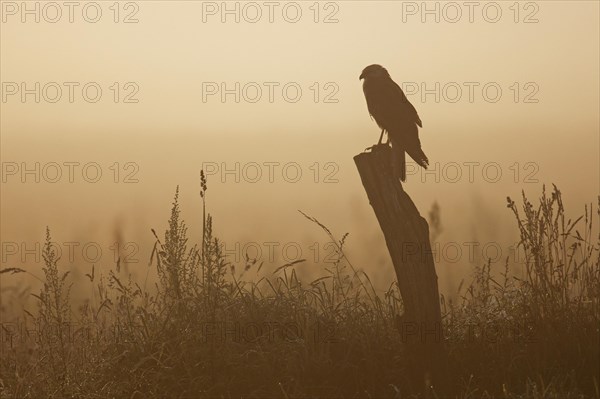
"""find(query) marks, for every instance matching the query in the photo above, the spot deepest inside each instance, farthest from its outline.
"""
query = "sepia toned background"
(164, 125)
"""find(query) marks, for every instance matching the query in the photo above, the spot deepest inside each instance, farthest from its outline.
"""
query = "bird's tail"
(398, 159)
(399, 149)
(417, 154)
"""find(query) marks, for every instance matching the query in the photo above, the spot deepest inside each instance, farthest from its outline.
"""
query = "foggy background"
(507, 92)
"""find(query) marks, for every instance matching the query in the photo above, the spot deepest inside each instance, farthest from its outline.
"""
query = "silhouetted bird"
(394, 114)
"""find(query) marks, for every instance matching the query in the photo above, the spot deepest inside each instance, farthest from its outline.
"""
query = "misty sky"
(508, 94)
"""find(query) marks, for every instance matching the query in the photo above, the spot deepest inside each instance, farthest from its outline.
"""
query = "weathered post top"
(406, 234)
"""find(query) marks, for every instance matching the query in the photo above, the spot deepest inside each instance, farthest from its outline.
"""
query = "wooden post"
(407, 237)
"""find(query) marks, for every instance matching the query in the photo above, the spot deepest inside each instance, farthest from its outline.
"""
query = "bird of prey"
(395, 115)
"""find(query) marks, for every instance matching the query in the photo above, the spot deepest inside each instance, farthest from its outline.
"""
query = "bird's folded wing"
(408, 110)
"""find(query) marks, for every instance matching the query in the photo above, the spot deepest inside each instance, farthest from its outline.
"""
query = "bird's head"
(374, 71)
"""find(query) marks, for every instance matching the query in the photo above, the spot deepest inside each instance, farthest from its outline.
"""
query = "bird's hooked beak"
(361, 76)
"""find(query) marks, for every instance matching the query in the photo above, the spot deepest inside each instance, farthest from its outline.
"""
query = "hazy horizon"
(168, 122)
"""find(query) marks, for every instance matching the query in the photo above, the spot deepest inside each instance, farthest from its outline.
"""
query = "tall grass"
(206, 329)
